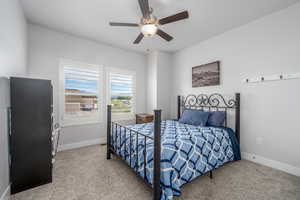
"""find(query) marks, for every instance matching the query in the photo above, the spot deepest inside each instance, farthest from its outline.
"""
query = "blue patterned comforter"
(187, 152)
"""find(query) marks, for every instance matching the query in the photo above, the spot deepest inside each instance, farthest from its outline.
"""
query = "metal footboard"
(115, 130)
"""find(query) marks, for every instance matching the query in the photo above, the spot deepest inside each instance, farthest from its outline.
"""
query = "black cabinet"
(31, 132)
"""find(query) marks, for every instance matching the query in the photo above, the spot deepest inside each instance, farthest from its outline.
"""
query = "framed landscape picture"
(206, 75)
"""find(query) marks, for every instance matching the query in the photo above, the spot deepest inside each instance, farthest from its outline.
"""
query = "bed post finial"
(237, 115)
(178, 107)
(157, 149)
(108, 137)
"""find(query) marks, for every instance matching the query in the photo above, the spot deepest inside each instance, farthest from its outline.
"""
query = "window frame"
(121, 116)
(80, 120)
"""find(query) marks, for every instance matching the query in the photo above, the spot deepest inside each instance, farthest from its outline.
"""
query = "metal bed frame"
(213, 102)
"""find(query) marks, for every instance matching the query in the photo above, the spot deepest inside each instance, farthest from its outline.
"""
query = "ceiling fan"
(149, 24)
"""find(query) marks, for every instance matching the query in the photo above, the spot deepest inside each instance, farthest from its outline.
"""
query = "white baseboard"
(247, 156)
(6, 194)
(86, 143)
(271, 163)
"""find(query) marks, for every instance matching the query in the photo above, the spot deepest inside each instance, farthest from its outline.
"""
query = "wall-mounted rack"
(276, 77)
(55, 140)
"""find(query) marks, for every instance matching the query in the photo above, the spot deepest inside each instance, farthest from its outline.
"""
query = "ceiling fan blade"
(123, 24)
(144, 5)
(164, 35)
(138, 39)
(174, 18)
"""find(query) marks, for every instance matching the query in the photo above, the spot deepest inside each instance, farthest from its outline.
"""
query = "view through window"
(122, 92)
(81, 92)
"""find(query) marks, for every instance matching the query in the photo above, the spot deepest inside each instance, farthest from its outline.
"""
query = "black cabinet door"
(31, 161)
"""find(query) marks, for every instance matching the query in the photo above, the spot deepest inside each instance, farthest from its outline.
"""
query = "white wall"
(47, 47)
(270, 110)
(164, 78)
(152, 81)
(13, 39)
(13, 49)
(159, 82)
(4, 165)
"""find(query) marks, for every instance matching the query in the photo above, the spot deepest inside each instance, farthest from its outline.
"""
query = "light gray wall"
(159, 82)
(164, 78)
(13, 48)
(13, 39)
(4, 166)
(47, 47)
(269, 111)
(152, 81)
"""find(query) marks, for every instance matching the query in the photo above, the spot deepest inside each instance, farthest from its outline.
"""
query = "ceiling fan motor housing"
(151, 20)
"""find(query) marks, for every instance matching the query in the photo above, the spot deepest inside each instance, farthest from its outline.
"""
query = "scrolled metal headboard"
(212, 102)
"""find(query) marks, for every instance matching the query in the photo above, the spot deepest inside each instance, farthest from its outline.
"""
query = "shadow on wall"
(4, 165)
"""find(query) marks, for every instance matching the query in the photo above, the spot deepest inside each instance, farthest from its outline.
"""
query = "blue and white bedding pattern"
(187, 152)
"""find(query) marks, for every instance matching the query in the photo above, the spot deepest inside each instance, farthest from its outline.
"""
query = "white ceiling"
(90, 18)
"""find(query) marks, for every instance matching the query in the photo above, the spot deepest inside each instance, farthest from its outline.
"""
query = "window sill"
(73, 124)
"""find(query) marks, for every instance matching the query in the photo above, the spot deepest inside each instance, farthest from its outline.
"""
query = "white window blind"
(81, 93)
(122, 93)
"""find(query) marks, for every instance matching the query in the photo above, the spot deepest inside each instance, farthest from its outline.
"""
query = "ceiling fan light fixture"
(149, 30)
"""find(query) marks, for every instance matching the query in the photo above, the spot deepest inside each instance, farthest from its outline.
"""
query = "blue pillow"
(194, 117)
(216, 118)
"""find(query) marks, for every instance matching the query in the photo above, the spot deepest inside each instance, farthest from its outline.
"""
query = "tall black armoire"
(31, 132)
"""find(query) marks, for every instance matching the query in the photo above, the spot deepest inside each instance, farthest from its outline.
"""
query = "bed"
(168, 154)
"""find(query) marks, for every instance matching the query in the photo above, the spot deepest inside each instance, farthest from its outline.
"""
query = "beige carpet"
(85, 174)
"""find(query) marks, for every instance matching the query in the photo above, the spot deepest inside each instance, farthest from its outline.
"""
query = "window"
(121, 94)
(80, 93)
